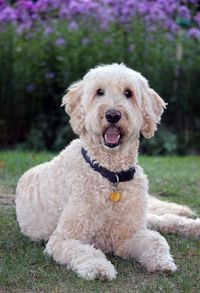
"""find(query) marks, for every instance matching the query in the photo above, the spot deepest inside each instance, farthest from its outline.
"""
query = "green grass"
(24, 268)
(14, 163)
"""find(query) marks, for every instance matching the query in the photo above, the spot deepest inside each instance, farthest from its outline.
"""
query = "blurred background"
(47, 44)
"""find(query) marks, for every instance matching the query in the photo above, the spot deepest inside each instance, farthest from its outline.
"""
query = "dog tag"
(114, 196)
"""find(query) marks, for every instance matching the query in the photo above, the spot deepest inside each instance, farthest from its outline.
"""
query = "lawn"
(24, 268)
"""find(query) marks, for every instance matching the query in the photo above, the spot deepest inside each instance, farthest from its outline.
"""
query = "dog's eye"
(128, 93)
(100, 92)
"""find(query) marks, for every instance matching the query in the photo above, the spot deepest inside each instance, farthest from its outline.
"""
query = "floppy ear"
(153, 106)
(73, 107)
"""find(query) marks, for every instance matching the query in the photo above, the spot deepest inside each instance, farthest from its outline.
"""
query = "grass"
(24, 268)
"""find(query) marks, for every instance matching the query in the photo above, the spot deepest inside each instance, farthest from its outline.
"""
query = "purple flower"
(76, 7)
(60, 42)
(8, 14)
(25, 5)
(97, 15)
(184, 12)
(40, 6)
(73, 26)
(143, 8)
(25, 11)
(172, 26)
(197, 18)
(50, 75)
(64, 12)
(48, 30)
(46, 5)
(194, 33)
(169, 7)
(2, 3)
(24, 27)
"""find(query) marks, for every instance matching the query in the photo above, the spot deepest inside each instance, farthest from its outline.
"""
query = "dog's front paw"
(193, 228)
(96, 268)
(163, 264)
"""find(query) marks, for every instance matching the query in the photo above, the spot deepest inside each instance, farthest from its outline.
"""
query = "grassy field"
(24, 268)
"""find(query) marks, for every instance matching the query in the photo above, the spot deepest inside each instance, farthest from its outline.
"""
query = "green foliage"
(35, 71)
(164, 141)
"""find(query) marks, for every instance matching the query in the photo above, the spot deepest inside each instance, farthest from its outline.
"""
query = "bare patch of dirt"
(5, 290)
(7, 197)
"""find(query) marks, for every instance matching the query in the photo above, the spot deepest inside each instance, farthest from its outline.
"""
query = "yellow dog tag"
(114, 196)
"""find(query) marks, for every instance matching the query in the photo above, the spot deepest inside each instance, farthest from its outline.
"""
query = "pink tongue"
(112, 135)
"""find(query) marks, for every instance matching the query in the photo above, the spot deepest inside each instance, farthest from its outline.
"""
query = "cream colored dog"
(93, 197)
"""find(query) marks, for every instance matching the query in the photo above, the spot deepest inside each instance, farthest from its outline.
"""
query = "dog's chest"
(121, 219)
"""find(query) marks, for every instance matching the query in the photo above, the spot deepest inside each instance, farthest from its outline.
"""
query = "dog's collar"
(111, 176)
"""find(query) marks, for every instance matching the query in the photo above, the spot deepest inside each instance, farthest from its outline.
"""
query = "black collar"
(111, 176)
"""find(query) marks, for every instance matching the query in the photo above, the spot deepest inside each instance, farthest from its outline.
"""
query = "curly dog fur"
(66, 202)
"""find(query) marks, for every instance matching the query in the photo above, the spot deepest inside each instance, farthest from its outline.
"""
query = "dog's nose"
(113, 116)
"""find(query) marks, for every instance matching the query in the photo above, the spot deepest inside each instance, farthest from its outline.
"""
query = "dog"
(92, 198)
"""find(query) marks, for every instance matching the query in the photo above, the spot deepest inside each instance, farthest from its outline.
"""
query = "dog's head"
(113, 104)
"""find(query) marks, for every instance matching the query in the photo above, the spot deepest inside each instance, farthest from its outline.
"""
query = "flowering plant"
(171, 14)
(47, 44)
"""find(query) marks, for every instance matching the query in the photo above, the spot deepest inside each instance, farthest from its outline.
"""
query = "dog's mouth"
(112, 136)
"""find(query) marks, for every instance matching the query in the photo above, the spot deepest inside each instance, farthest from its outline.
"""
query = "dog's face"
(113, 104)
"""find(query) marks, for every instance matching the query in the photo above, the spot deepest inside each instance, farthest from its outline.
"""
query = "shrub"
(47, 44)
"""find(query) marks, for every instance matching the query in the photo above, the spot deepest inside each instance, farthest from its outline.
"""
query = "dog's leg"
(70, 245)
(88, 262)
(151, 249)
(175, 224)
(159, 207)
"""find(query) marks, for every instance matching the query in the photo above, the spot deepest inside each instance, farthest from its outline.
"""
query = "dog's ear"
(152, 107)
(73, 107)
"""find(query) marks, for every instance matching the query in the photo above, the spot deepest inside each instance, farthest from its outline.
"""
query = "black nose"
(113, 116)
